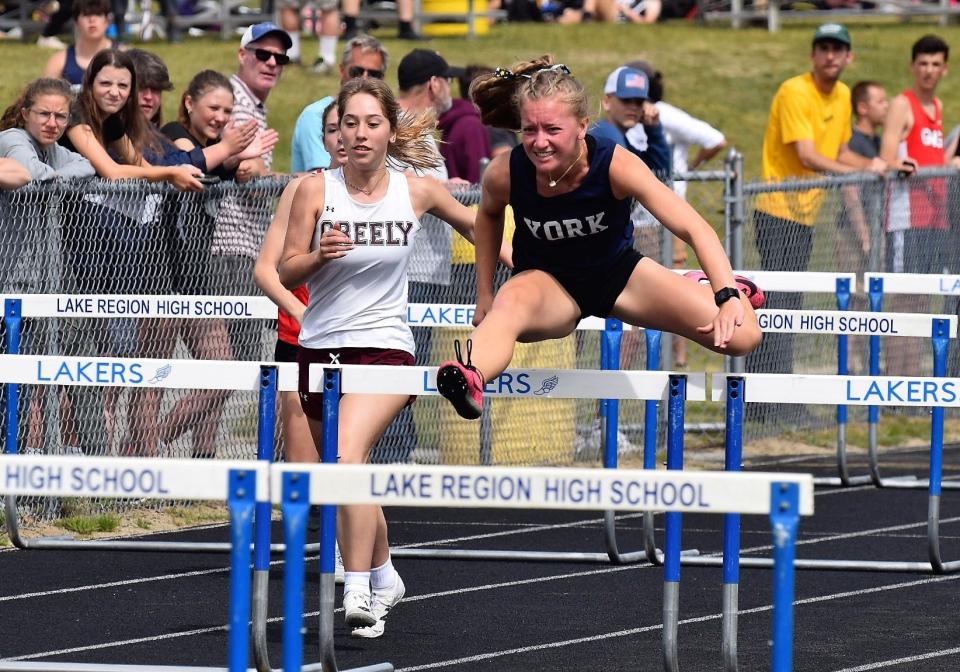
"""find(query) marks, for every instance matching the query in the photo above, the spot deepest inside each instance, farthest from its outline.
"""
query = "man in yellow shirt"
(807, 133)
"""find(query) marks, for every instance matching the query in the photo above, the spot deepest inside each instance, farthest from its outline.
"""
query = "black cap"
(420, 65)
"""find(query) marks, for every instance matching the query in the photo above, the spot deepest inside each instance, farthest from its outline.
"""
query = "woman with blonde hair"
(349, 239)
(571, 195)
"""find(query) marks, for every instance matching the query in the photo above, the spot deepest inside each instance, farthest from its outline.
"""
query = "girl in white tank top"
(349, 238)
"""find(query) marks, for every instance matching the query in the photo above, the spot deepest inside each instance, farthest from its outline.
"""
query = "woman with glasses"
(29, 131)
(31, 127)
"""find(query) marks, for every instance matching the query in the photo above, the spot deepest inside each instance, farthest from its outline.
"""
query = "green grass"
(196, 515)
(727, 77)
(86, 525)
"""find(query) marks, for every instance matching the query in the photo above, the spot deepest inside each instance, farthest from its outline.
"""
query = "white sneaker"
(381, 602)
(52, 42)
(370, 632)
(356, 607)
(339, 575)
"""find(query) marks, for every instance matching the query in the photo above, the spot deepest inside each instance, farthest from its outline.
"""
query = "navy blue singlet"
(574, 234)
(72, 72)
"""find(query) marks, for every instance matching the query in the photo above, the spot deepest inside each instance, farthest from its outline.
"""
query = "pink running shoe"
(462, 384)
(747, 287)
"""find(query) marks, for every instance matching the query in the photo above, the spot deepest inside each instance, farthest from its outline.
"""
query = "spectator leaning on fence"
(917, 223)
(91, 18)
(153, 78)
(31, 127)
(363, 56)
(913, 138)
(244, 215)
(807, 132)
(107, 122)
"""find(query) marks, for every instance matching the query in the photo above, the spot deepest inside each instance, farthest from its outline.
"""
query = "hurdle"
(242, 484)
(879, 284)
(783, 496)
(568, 384)
(937, 393)
(16, 370)
(939, 328)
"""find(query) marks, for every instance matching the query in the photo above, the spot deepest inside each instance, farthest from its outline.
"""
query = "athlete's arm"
(299, 262)
(429, 195)
(896, 126)
(630, 177)
(488, 231)
(265, 270)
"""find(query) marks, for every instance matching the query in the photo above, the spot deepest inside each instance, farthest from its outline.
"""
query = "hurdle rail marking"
(784, 502)
(937, 393)
(297, 486)
(240, 483)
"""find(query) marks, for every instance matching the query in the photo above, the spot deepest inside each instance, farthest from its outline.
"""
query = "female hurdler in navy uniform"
(573, 247)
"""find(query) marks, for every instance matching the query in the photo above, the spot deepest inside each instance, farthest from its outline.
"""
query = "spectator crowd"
(96, 111)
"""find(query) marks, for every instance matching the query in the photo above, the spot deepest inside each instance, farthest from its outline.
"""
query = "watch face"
(725, 295)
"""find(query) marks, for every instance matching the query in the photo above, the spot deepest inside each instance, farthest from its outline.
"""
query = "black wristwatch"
(725, 295)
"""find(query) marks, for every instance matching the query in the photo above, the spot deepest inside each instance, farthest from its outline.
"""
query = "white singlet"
(360, 300)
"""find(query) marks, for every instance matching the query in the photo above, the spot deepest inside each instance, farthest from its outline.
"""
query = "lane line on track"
(902, 661)
(688, 621)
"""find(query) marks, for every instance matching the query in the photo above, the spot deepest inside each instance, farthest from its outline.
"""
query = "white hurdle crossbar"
(240, 483)
(936, 393)
(783, 496)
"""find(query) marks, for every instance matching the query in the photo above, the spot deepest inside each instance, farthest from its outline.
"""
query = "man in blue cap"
(626, 104)
(242, 219)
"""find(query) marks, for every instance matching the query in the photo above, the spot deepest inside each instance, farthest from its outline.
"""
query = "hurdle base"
(526, 556)
(95, 667)
(839, 565)
(837, 482)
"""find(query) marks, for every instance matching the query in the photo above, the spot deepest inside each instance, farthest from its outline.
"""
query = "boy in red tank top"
(913, 138)
(916, 223)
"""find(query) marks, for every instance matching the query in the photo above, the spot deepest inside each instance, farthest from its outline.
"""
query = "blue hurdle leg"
(266, 427)
(296, 509)
(784, 519)
(243, 490)
(671, 546)
(731, 525)
(13, 321)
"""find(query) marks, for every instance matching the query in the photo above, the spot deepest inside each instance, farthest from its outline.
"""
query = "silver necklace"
(553, 182)
(368, 190)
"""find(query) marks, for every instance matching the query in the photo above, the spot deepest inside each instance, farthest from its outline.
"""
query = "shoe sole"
(452, 386)
(360, 619)
(370, 632)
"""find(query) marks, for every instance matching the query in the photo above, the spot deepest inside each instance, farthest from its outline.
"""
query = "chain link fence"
(133, 239)
(854, 223)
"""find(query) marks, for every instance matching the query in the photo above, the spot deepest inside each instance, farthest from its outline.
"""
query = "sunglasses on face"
(357, 71)
(264, 56)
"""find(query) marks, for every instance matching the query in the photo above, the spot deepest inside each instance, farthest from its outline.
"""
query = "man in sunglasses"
(242, 217)
(363, 56)
(262, 55)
